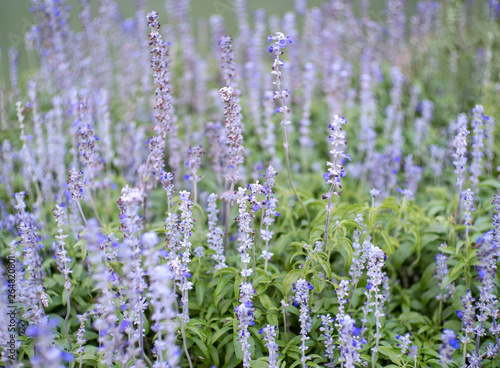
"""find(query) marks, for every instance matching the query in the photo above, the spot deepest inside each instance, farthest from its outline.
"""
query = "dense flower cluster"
(233, 154)
(440, 273)
(327, 329)
(450, 344)
(301, 298)
(244, 313)
(215, 236)
(269, 336)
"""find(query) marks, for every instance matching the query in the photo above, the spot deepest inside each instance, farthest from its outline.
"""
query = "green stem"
(465, 352)
(328, 212)
(226, 220)
(440, 311)
(81, 212)
(141, 334)
(184, 341)
(68, 312)
(285, 141)
(94, 207)
(285, 325)
(195, 191)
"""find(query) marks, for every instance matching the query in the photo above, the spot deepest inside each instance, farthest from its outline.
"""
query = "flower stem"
(81, 212)
(68, 312)
(327, 222)
(184, 342)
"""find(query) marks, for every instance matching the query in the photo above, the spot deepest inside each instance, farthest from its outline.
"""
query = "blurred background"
(16, 19)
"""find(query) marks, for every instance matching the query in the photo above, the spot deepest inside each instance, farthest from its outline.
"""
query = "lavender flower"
(468, 203)
(404, 344)
(89, 155)
(28, 161)
(30, 291)
(75, 185)
(335, 171)
(163, 110)
(6, 332)
(167, 182)
(338, 142)
(450, 344)
(374, 298)
(270, 213)
(486, 267)
(496, 219)
(342, 297)
(280, 95)
(47, 354)
(215, 234)
(244, 314)
(227, 63)
(349, 342)
(468, 317)
(162, 298)
(214, 133)
(61, 252)
(477, 152)
(438, 154)
(302, 288)
(185, 228)
(233, 155)
(439, 274)
(269, 336)
(327, 329)
(489, 132)
(193, 164)
(129, 204)
(413, 174)
(106, 321)
(460, 155)
(13, 64)
(245, 237)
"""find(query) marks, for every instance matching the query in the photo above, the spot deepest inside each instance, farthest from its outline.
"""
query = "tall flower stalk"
(467, 197)
(460, 156)
(270, 213)
(215, 236)
(244, 314)
(233, 154)
(302, 288)
(193, 163)
(63, 260)
(233, 127)
(280, 42)
(185, 228)
(270, 333)
(336, 171)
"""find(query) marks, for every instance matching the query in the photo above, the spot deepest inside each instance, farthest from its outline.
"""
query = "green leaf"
(457, 270)
(200, 292)
(272, 319)
(215, 355)
(222, 288)
(290, 279)
(218, 334)
(266, 302)
(202, 346)
(390, 203)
